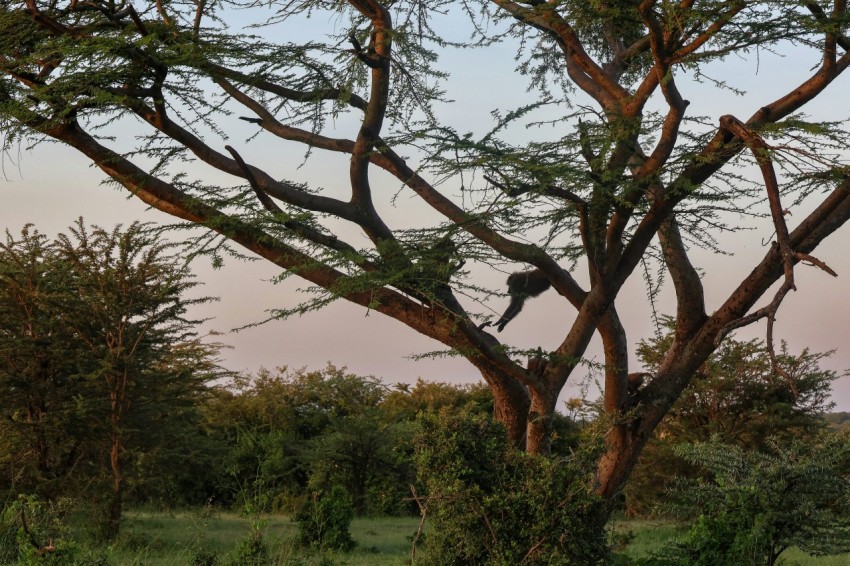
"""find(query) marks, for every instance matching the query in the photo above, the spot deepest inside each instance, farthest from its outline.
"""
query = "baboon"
(636, 381)
(522, 285)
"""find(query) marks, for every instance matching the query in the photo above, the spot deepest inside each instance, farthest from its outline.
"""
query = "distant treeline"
(840, 420)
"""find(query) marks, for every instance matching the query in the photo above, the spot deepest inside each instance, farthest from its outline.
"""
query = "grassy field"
(194, 539)
(171, 539)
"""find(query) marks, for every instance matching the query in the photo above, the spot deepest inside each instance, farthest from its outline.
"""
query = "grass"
(185, 538)
(171, 539)
(650, 535)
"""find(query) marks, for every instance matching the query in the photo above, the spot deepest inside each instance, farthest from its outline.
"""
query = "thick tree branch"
(690, 301)
(286, 192)
(788, 255)
(589, 76)
(834, 36)
(670, 130)
(380, 46)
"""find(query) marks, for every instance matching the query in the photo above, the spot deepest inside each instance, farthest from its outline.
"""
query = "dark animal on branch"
(522, 285)
(537, 363)
(636, 381)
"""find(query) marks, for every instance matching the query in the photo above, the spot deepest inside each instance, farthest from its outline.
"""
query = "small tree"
(368, 457)
(97, 352)
(37, 364)
(736, 398)
(130, 317)
(324, 520)
(755, 505)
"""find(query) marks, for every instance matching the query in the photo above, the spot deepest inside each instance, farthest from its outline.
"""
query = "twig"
(423, 510)
(531, 551)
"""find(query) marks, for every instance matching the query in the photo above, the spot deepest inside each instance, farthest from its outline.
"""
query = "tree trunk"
(510, 405)
(541, 411)
(113, 520)
(617, 462)
(618, 388)
(654, 400)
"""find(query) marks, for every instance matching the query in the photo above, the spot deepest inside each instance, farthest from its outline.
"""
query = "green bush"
(33, 531)
(325, 519)
(251, 551)
(752, 506)
(488, 503)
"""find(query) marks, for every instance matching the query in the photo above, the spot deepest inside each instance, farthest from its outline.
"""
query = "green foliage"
(736, 395)
(736, 398)
(264, 427)
(41, 535)
(251, 551)
(291, 429)
(43, 420)
(371, 458)
(324, 521)
(839, 421)
(103, 366)
(488, 503)
(755, 505)
(406, 402)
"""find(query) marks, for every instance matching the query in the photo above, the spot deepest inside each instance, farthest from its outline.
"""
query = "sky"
(50, 186)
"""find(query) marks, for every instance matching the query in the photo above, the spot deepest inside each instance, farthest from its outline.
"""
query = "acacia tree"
(97, 357)
(628, 168)
(36, 364)
(735, 399)
(129, 317)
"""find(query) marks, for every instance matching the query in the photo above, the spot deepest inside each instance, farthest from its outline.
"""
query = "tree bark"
(113, 520)
(510, 405)
(615, 402)
(540, 419)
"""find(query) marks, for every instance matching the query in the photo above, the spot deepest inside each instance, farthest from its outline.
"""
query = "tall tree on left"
(38, 447)
(133, 358)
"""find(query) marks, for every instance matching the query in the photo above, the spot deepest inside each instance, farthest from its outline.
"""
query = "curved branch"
(690, 298)
(373, 117)
(286, 192)
(786, 252)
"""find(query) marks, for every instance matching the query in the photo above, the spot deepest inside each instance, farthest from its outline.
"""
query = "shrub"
(251, 551)
(754, 505)
(325, 519)
(33, 531)
(488, 503)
